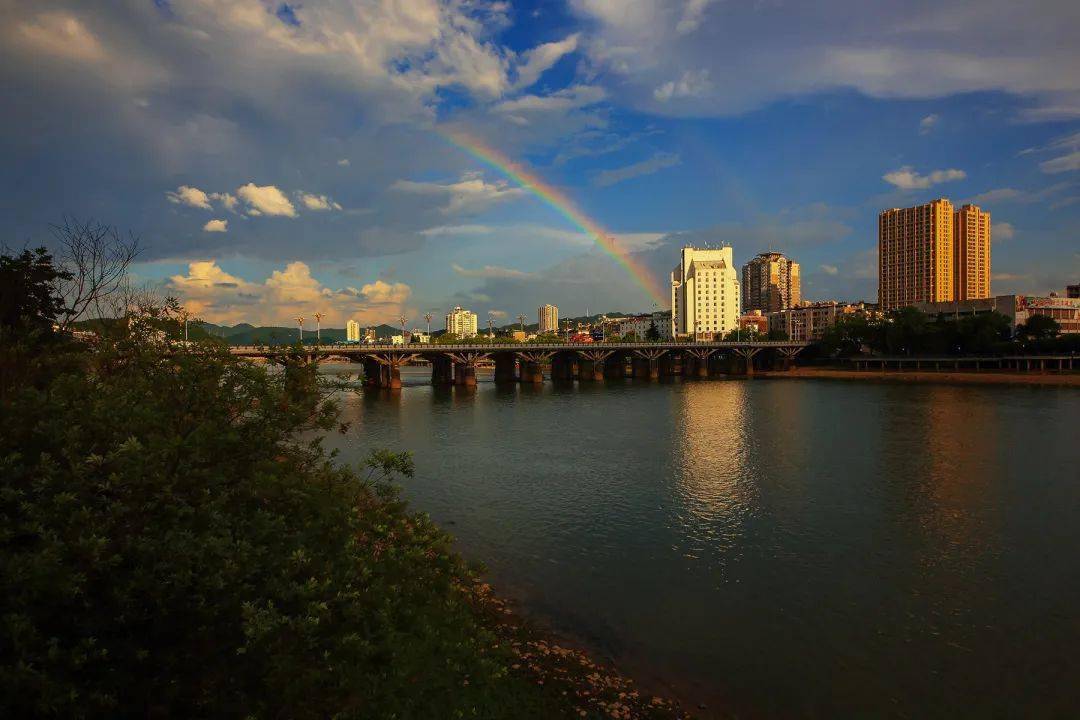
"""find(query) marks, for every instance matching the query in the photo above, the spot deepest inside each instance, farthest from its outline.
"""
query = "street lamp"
(427, 317)
(491, 325)
(521, 322)
(318, 328)
(300, 321)
(403, 320)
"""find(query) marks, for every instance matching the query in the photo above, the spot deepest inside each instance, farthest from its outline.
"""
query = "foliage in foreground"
(173, 544)
(170, 548)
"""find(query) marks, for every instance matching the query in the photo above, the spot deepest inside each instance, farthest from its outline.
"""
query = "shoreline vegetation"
(176, 542)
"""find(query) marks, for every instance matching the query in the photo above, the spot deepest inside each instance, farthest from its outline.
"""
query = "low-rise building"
(638, 326)
(1018, 308)
(809, 320)
(755, 320)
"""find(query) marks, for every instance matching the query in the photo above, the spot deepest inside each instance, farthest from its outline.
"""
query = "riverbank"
(592, 688)
(985, 377)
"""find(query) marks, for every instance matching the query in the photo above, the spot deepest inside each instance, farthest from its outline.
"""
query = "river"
(771, 548)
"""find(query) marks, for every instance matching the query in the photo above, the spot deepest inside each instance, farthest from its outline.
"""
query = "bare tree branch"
(97, 257)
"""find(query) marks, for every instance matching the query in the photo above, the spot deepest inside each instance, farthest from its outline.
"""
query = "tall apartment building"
(971, 253)
(352, 331)
(704, 293)
(770, 282)
(461, 322)
(915, 255)
(547, 316)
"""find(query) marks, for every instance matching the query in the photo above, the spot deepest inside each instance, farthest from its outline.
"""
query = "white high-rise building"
(461, 322)
(548, 318)
(705, 298)
(352, 331)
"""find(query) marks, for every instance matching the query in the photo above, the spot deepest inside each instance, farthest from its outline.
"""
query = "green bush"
(172, 548)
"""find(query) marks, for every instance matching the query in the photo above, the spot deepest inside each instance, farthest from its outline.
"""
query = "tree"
(94, 259)
(29, 300)
(175, 544)
(653, 333)
(1039, 328)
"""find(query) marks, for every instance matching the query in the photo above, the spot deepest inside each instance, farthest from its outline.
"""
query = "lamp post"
(318, 328)
(491, 325)
(403, 320)
(300, 321)
(521, 322)
(427, 317)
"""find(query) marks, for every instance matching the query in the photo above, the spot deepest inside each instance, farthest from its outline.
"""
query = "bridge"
(525, 362)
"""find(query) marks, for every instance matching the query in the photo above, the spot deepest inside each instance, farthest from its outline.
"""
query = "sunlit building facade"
(705, 297)
(547, 317)
(915, 255)
(971, 253)
(770, 282)
(352, 331)
(461, 322)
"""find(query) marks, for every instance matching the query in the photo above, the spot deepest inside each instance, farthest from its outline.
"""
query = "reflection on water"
(776, 549)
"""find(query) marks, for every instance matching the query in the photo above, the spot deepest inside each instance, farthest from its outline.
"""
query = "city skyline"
(307, 177)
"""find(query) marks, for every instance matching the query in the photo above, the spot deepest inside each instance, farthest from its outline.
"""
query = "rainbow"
(562, 204)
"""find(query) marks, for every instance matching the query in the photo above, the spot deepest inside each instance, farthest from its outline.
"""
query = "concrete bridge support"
(668, 365)
(747, 354)
(531, 364)
(505, 367)
(464, 374)
(372, 372)
(615, 367)
(563, 367)
(442, 370)
(591, 364)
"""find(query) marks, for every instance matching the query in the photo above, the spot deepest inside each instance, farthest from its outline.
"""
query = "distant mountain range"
(248, 334)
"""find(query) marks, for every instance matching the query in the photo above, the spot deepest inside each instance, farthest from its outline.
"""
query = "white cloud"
(217, 296)
(1065, 163)
(384, 293)
(343, 162)
(657, 162)
(928, 123)
(541, 58)
(266, 200)
(884, 50)
(571, 98)
(1013, 195)
(830, 269)
(692, 14)
(490, 271)
(227, 200)
(62, 35)
(692, 84)
(1002, 231)
(907, 179)
(190, 196)
(1005, 194)
(216, 226)
(317, 202)
(469, 195)
(454, 230)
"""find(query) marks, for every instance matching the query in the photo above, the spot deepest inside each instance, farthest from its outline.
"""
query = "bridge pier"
(563, 367)
(505, 367)
(639, 368)
(442, 371)
(615, 367)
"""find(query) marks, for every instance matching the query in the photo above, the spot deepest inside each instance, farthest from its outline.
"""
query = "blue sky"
(281, 159)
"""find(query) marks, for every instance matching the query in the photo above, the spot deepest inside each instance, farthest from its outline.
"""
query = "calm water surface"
(773, 548)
